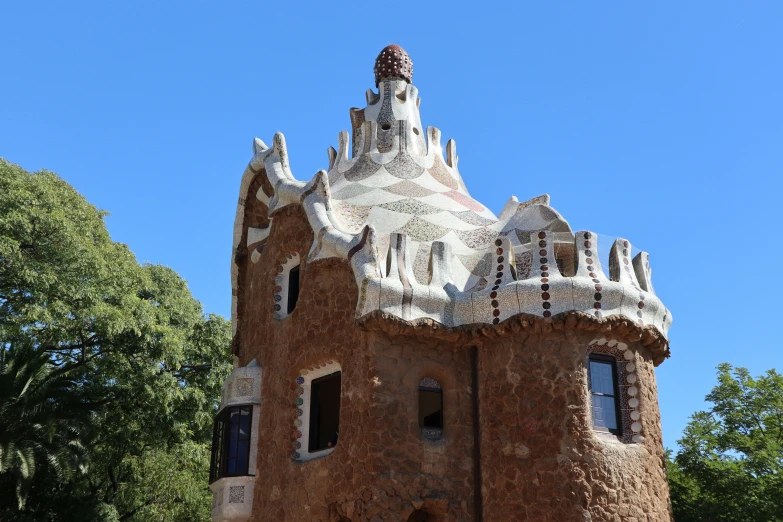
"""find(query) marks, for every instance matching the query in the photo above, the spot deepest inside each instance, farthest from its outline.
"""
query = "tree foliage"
(133, 341)
(43, 419)
(730, 463)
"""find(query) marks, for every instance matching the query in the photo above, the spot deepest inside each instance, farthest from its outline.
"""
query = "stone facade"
(518, 441)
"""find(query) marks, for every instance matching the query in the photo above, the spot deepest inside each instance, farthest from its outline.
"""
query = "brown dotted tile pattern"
(543, 270)
(592, 250)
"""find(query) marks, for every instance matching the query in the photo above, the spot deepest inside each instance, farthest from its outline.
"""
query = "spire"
(393, 63)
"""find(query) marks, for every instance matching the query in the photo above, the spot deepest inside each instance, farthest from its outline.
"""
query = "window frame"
(334, 375)
(613, 362)
(290, 262)
(291, 303)
(429, 432)
(304, 381)
(219, 455)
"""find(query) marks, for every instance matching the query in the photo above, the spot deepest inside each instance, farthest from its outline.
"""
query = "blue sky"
(658, 122)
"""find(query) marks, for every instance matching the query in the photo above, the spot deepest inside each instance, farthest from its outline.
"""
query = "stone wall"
(381, 469)
(541, 460)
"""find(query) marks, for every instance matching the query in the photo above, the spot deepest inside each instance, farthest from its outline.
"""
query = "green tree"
(135, 339)
(43, 418)
(730, 463)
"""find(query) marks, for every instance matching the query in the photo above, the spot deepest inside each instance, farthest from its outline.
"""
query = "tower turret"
(426, 359)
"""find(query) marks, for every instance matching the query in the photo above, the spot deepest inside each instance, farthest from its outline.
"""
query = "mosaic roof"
(398, 181)
(394, 204)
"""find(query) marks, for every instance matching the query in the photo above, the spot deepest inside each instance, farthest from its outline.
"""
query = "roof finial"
(393, 63)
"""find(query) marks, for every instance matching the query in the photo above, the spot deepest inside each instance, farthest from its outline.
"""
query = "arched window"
(602, 377)
(430, 409)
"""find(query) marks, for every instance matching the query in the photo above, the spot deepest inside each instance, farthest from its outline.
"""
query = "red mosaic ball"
(393, 62)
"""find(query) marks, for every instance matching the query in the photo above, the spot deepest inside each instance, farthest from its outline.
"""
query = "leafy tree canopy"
(730, 463)
(133, 342)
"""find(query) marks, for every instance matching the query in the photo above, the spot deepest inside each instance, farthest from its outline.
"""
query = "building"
(402, 353)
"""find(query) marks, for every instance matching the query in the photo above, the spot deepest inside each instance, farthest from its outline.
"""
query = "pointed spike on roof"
(393, 62)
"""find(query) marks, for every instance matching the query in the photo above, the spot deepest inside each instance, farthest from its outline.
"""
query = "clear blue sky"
(661, 122)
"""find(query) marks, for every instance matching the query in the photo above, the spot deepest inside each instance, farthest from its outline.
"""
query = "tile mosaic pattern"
(421, 247)
(244, 386)
(393, 62)
(236, 495)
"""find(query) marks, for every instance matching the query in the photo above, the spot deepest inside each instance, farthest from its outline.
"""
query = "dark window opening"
(324, 412)
(231, 443)
(602, 376)
(431, 408)
(419, 516)
(293, 288)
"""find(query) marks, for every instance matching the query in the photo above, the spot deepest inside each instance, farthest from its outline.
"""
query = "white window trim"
(232, 497)
(302, 422)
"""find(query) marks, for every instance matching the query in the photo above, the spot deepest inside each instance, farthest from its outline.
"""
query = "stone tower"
(402, 353)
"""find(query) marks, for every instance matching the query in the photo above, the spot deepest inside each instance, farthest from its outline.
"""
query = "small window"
(604, 392)
(287, 285)
(293, 288)
(430, 409)
(324, 412)
(419, 516)
(231, 443)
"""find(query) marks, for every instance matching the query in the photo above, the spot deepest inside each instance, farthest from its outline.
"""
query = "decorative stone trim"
(232, 497)
(236, 494)
(627, 384)
(302, 410)
(243, 386)
(290, 261)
